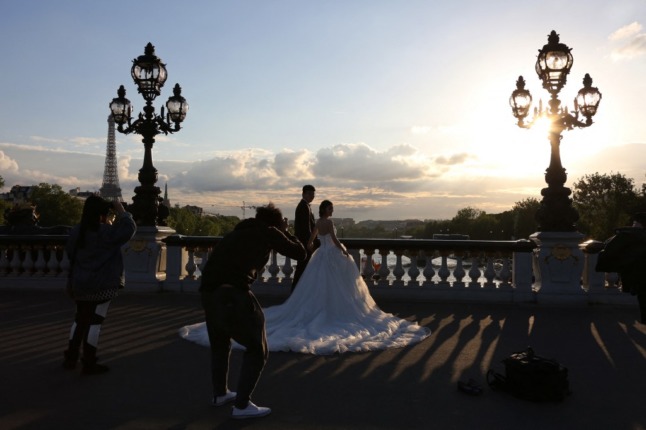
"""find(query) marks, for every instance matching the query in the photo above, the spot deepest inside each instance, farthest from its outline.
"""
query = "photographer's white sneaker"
(230, 396)
(251, 411)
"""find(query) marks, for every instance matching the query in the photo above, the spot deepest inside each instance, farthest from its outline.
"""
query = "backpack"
(531, 377)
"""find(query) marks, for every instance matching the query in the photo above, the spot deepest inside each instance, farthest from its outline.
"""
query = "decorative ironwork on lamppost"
(149, 73)
(552, 66)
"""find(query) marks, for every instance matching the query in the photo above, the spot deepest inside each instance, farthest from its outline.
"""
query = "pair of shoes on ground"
(470, 387)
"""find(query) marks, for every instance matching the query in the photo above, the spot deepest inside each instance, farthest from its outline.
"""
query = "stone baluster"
(444, 271)
(474, 271)
(28, 263)
(39, 265)
(489, 271)
(368, 270)
(413, 270)
(429, 271)
(505, 273)
(204, 258)
(383, 271)
(287, 269)
(398, 271)
(273, 268)
(356, 256)
(190, 264)
(52, 263)
(458, 272)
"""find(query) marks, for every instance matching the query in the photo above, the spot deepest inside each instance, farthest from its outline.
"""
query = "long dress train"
(330, 311)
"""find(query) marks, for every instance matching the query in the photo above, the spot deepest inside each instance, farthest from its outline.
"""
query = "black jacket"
(242, 254)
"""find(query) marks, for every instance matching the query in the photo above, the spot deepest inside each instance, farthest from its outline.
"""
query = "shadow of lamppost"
(149, 73)
(552, 66)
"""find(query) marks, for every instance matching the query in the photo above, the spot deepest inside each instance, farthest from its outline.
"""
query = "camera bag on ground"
(531, 377)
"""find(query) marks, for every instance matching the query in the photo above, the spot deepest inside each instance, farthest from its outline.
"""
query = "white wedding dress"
(330, 311)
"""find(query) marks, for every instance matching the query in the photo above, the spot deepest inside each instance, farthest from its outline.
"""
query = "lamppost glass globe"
(520, 100)
(588, 99)
(149, 73)
(553, 64)
(177, 105)
(121, 107)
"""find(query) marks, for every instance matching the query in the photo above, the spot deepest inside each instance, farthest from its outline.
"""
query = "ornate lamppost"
(149, 73)
(558, 259)
(552, 66)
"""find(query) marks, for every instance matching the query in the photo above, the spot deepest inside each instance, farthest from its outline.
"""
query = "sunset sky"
(392, 109)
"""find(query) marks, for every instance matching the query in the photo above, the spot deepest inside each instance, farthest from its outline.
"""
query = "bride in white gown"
(331, 310)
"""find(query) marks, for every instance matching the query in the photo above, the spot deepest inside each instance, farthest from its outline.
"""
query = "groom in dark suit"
(303, 226)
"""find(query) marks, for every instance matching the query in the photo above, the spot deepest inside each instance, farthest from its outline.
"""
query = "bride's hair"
(323, 207)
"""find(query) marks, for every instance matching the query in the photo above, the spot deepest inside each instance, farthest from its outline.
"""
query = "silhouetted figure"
(231, 309)
(625, 253)
(303, 227)
(96, 274)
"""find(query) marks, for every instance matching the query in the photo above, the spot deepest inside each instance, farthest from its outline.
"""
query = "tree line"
(604, 202)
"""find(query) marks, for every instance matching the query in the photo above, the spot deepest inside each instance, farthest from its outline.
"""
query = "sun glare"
(541, 127)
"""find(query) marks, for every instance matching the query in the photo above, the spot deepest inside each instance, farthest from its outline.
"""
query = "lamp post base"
(145, 259)
(558, 266)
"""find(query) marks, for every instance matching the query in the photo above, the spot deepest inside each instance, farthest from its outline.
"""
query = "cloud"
(86, 141)
(633, 42)
(45, 139)
(294, 163)
(236, 171)
(626, 31)
(7, 163)
(454, 159)
(358, 162)
(397, 182)
(123, 169)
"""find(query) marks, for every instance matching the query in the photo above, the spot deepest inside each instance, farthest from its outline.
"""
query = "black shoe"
(94, 369)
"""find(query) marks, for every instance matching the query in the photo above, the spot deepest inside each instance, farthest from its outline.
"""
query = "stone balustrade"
(433, 270)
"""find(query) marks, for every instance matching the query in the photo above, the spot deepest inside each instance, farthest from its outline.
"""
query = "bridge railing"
(448, 270)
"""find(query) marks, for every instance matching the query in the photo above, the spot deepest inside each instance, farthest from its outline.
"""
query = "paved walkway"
(159, 381)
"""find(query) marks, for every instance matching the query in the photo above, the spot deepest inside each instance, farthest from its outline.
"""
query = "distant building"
(196, 210)
(76, 192)
(17, 194)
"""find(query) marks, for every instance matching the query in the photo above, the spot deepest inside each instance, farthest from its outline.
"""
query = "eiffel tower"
(110, 190)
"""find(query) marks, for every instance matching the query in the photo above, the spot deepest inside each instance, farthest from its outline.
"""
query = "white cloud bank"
(399, 182)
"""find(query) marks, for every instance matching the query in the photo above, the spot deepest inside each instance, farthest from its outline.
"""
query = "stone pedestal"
(145, 259)
(558, 266)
